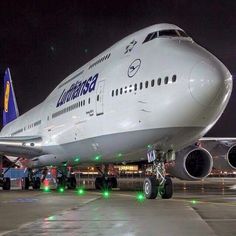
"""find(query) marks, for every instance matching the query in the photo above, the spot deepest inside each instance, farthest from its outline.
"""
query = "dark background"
(44, 41)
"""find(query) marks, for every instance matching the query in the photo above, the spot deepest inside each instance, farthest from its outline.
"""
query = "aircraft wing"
(24, 146)
(227, 141)
(205, 139)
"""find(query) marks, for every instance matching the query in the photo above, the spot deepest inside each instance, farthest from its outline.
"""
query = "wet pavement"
(197, 208)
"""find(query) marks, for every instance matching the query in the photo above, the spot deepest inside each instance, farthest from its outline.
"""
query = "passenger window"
(146, 84)
(174, 77)
(84, 102)
(125, 89)
(89, 101)
(112, 93)
(141, 86)
(121, 91)
(135, 87)
(97, 97)
(152, 82)
(117, 91)
(130, 88)
(159, 81)
(166, 80)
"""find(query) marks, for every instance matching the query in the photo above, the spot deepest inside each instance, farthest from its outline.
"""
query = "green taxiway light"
(77, 159)
(81, 191)
(61, 190)
(149, 146)
(193, 201)
(140, 197)
(46, 189)
(97, 158)
(106, 194)
(119, 155)
(51, 218)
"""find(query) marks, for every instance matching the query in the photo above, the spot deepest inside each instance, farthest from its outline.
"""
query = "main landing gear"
(158, 183)
(31, 180)
(65, 178)
(105, 182)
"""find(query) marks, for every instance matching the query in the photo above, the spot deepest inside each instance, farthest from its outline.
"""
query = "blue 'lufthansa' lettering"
(78, 89)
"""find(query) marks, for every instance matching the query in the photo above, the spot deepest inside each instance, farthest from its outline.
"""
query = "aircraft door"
(99, 98)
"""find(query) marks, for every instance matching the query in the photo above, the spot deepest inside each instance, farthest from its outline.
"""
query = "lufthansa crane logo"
(6, 96)
(134, 67)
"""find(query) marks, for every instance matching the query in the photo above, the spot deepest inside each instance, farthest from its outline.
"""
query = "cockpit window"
(171, 33)
(182, 33)
(165, 33)
(150, 36)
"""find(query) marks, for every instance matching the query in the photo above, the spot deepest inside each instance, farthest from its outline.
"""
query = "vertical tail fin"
(10, 110)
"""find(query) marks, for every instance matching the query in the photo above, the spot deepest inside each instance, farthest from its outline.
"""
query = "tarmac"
(197, 208)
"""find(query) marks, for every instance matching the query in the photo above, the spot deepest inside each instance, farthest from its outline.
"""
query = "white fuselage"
(103, 125)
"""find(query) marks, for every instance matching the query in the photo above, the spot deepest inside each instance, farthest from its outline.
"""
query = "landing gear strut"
(105, 182)
(66, 178)
(31, 180)
(158, 183)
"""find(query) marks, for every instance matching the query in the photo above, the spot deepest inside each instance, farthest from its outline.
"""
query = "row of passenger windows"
(145, 84)
(70, 108)
(100, 60)
(36, 123)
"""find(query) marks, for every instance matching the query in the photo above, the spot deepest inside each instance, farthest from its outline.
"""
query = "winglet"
(10, 110)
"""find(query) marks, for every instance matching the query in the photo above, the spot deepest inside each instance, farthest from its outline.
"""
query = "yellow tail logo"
(6, 96)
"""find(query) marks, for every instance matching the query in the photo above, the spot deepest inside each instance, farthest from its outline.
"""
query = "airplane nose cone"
(210, 83)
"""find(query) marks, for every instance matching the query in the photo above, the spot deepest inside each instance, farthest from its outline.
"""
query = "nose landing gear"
(158, 183)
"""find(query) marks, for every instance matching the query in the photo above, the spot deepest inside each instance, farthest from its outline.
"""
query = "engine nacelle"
(192, 163)
(224, 157)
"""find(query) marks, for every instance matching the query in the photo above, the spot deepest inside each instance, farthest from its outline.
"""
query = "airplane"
(150, 96)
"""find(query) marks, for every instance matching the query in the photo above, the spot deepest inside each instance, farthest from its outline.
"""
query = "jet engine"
(224, 157)
(192, 163)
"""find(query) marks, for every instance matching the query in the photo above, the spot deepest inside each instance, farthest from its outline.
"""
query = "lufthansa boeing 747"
(149, 96)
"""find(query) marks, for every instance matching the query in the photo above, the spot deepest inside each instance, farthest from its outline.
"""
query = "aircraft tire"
(60, 183)
(36, 183)
(98, 183)
(25, 183)
(6, 183)
(166, 191)
(150, 187)
(71, 182)
(113, 181)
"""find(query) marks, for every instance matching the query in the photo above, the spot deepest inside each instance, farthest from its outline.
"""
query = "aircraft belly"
(121, 147)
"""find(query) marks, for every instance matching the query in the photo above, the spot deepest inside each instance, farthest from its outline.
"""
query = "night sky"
(44, 41)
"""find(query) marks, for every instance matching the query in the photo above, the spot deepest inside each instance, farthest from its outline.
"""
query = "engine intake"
(231, 156)
(191, 164)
